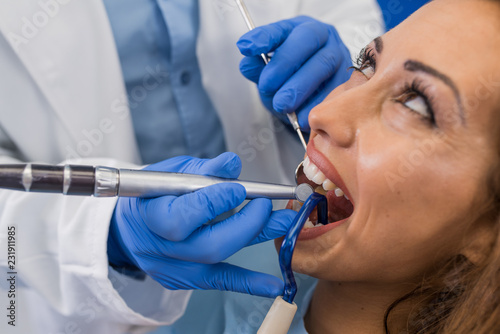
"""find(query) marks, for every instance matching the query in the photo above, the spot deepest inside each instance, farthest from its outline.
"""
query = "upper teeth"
(313, 173)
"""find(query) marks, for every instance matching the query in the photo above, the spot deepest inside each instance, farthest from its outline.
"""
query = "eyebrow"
(416, 66)
(379, 44)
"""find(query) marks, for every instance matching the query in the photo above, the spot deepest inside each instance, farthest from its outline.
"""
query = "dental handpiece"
(292, 117)
(103, 181)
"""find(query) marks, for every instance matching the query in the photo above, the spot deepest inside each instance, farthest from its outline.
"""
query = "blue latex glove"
(309, 61)
(167, 238)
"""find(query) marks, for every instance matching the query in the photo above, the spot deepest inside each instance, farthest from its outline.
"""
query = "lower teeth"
(310, 224)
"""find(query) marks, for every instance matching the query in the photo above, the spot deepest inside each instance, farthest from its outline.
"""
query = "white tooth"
(308, 224)
(306, 162)
(319, 177)
(347, 198)
(318, 224)
(310, 171)
(314, 174)
(308, 174)
(328, 185)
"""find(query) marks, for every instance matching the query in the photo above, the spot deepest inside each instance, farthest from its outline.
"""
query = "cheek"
(407, 181)
(414, 205)
(411, 199)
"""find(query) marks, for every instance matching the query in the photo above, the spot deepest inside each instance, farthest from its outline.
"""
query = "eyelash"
(417, 88)
(366, 58)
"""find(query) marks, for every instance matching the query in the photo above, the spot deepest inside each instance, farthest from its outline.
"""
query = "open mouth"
(340, 206)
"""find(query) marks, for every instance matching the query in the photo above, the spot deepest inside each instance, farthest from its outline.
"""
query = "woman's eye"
(366, 63)
(418, 104)
(368, 70)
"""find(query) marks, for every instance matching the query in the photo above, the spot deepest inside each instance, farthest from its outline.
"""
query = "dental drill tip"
(292, 117)
(265, 58)
(303, 191)
(302, 140)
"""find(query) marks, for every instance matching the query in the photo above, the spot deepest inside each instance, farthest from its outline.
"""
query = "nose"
(341, 114)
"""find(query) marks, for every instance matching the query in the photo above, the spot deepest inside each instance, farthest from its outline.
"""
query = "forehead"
(465, 33)
(460, 38)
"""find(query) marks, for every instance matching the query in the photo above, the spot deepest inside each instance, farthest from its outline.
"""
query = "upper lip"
(327, 168)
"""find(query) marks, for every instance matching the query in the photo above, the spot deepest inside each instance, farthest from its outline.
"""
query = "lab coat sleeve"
(63, 282)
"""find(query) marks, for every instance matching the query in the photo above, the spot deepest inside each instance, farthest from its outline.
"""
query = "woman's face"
(409, 139)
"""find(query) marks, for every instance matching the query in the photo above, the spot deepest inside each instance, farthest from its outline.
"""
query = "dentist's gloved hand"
(166, 237)
(309, 61)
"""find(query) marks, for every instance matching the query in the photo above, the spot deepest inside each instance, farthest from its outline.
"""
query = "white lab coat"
(62, 97)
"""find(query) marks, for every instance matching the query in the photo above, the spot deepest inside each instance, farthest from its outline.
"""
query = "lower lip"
(314, 232)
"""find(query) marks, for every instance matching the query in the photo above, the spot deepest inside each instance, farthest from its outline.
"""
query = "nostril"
(321, 132)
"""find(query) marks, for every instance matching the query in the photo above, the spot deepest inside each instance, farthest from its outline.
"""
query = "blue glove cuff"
(117, 256)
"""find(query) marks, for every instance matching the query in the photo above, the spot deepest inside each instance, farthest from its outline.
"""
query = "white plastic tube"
(279, 318)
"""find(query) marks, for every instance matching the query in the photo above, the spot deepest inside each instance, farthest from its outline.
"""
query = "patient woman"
(412, 140)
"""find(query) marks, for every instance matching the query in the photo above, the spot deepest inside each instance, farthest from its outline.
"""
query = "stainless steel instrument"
(292, 117)
(103, 181)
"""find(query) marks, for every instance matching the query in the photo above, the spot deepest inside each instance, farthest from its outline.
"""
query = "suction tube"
(280, 316)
